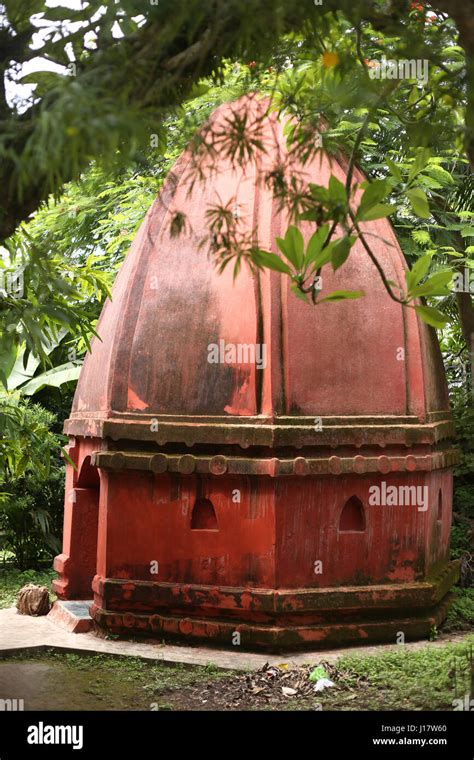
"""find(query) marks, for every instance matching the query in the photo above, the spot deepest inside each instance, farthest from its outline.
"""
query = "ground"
(428, 679)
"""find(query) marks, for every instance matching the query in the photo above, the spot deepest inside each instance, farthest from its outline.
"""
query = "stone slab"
(21, 633)
(72, 616)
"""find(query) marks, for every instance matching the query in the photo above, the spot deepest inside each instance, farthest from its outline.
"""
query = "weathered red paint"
(174, 437)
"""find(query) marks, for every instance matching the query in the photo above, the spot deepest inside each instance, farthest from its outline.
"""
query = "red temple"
(249, 463)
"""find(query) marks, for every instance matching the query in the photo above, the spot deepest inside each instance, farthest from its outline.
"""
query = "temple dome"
(366, 357)
(261, 519)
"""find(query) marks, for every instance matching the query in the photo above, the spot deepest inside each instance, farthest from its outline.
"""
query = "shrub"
(31, 487)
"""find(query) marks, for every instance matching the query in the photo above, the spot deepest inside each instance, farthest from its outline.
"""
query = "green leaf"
(378, 212)
(324, 257)
(422, 237)
(53, 378)
(293, 246)
(453, 50)
(308, 216)
(58, 315)
(442, 175)
(419, 202)
(315, 244)
(432, 316)
(319, 193)
(375, 192)
(419, 270)
(342, 295)
(20, 373)
(337, 191)
(265, 259)
(286, 251)
(8, 355)
(340, 250)
(69, 460)
(429, 182)
(394, 170)
(422, 158)
(436, 285)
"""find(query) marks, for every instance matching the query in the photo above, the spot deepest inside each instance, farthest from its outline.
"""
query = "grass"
(461, 614)
(425, 679)
(12, 580)
(157, 676)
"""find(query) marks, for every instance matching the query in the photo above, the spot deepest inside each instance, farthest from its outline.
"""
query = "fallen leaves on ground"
(273, 686)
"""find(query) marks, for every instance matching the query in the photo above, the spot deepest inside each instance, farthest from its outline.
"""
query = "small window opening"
(203, 516)
(352, 516)
(88, 477)
(439, 515)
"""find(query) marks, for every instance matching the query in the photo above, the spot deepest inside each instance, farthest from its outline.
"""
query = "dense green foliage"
(32, 490)
(462, 536)
(126, 64)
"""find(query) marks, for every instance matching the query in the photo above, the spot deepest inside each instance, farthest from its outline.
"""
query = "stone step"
(72, 616)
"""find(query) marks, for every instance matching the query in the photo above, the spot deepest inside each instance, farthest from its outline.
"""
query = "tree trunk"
(466, 316)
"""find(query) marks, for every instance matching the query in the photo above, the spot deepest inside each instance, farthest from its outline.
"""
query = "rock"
(33, 600)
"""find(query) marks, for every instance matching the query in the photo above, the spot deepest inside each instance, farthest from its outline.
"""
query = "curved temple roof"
(172, 314)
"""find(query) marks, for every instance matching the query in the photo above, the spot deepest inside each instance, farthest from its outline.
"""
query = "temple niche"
(213, 496)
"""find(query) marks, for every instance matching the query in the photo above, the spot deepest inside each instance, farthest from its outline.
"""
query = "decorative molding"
(186, 464)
